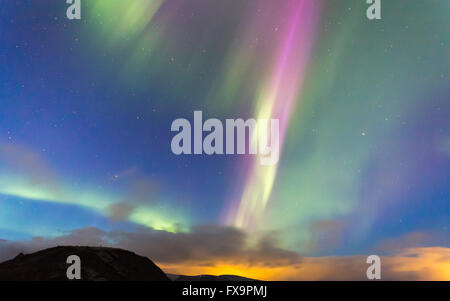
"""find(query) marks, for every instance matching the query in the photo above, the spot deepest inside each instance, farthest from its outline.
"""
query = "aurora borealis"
(86, 107)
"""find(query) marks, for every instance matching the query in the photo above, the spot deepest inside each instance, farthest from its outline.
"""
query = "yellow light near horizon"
(428, 263)
(243, 270)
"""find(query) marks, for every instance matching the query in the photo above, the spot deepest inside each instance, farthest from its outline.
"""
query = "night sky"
(86, 108)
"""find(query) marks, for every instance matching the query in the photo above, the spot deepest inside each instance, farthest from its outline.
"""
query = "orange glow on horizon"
(430, 263)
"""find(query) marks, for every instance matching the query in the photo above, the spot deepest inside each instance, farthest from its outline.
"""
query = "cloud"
(22, 160)
(410, 240)
(430, 263)
(223, 250)
(326, 234)
(141, 190)
(87, 236)
(120, 211)
(205, 244)
(26, 174)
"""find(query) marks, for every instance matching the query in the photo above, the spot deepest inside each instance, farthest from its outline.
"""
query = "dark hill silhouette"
(97, 263)
(209, 278)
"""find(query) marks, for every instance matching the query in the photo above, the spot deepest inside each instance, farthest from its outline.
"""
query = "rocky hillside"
(209, 278)
(97, 263)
